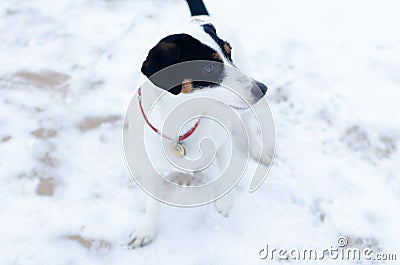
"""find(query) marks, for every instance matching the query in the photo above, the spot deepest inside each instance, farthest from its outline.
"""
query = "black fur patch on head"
(225, 46)
(180, 48)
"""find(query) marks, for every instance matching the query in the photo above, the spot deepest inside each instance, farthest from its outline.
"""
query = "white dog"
(182, 69)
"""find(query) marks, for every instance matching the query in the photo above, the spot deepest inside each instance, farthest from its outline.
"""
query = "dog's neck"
(157, 104)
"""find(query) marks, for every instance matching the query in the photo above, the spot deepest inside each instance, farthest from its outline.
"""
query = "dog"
(174, 79)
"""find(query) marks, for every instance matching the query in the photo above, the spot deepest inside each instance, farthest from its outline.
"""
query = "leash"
(177, 147)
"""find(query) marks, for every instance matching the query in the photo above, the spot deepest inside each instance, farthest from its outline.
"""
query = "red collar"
(181, 138)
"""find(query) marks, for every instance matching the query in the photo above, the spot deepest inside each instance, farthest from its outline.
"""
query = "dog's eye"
(210, 68)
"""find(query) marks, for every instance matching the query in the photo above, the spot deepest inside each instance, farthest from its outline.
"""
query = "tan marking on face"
(217, 56)
(227, 48)
(187, 86)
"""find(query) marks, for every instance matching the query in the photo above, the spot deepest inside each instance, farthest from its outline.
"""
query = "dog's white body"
(145, 231)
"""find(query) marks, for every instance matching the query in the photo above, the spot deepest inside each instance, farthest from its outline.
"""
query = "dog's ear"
(166, 53)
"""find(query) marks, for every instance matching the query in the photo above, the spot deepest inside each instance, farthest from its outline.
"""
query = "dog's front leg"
(261, 134)
(261, 146)
(224, 205)
(146, 229)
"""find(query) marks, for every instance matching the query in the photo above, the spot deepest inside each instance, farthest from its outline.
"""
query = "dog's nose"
(258, 90)
(262, 87)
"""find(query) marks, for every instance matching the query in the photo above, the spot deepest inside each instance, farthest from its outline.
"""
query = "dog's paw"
(223, 211)
(184, 179)
(141, 237)
(224, 205)
(266, 157)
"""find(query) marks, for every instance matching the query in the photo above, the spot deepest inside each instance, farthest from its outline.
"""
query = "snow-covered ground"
(69, 68)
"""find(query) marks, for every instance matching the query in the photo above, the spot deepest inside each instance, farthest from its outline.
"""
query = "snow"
(69, 69)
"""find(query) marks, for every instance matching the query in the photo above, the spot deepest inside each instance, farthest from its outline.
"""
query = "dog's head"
(201, 62)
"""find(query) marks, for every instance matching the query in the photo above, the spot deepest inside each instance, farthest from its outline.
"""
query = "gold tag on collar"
(178, 149)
